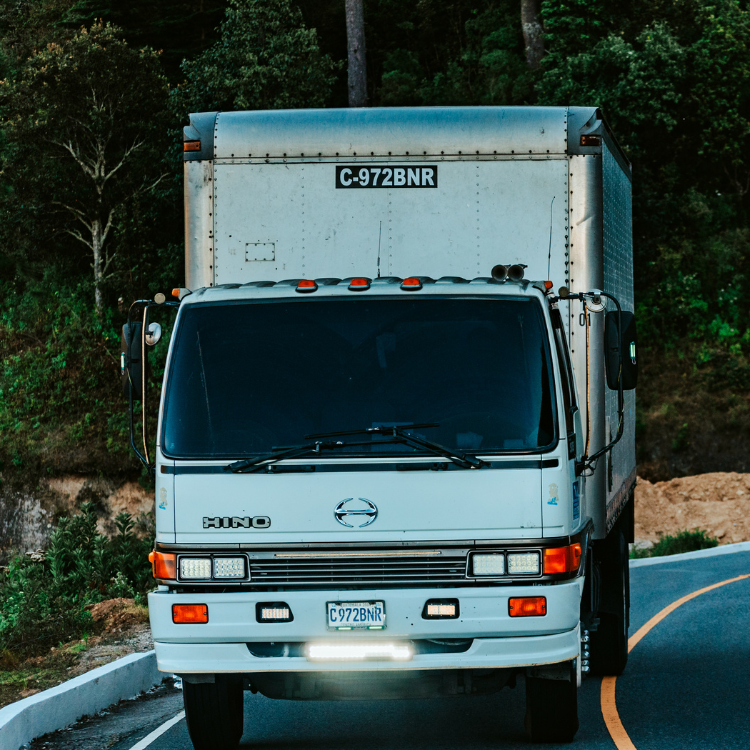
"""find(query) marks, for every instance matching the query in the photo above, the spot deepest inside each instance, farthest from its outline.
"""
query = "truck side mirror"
(131, 362)
(625, 342)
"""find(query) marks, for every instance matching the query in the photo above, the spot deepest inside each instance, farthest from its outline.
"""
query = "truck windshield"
(248, 377)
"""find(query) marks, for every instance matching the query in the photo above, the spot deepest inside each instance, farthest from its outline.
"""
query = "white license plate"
(350, 615)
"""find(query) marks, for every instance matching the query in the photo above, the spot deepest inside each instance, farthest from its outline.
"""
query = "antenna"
(549, 254)
(380, 232)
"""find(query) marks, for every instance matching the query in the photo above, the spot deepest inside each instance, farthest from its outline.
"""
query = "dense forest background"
(93, 95)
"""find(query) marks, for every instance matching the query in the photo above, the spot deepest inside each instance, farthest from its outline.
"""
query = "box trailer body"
(283, 209)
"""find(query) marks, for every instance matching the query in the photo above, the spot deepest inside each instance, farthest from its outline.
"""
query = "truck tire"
(551, 709)
(609, 642)
(214, 713)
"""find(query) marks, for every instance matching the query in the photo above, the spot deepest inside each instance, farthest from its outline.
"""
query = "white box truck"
(395, 453)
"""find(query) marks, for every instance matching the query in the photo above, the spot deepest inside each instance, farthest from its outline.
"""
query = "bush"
(683, 541)
(43, 597)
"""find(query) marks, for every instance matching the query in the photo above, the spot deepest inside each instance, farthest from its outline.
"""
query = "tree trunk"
(96, 246)
(355, 34)
(532, 33)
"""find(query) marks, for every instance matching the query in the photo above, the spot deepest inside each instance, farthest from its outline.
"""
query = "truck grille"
(359, 568)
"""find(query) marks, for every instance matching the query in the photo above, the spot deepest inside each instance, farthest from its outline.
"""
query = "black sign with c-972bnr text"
(404, 176)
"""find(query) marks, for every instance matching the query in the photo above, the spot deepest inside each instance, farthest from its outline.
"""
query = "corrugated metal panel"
(618, 281)
(384, 131)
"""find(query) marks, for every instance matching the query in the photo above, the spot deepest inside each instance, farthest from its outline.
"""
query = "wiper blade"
(396, 434)
(260, 462)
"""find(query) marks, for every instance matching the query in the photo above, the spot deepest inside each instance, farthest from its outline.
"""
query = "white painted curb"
(724, 549)
(63, 705)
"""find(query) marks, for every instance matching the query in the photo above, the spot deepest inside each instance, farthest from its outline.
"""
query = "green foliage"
(683, 541)
(486, 68)
(674, 81)
(92, 112)
(43, 598)
(181, 28)
(265, 59)
(60, 403)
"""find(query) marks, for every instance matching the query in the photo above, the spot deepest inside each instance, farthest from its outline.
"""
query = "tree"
(265, 59)
(355, 34)
(85, 125)
(532, 33)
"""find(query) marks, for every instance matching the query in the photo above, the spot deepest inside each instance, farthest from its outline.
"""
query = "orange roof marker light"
(411, 284)
(306, 285)
(359, 284)
(191, 146)
(527, 606)
(189, 614)
(562, 559)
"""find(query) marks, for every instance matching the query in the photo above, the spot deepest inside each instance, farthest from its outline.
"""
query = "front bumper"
(220, 645)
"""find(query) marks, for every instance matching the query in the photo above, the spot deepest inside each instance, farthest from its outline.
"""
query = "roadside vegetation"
(46, 596)
(683, 541)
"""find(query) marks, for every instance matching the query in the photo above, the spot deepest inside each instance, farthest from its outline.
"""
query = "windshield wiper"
(260, 462)
(396, 434)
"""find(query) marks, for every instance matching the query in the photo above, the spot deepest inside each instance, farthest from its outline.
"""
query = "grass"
(37, 674)
(683, 541)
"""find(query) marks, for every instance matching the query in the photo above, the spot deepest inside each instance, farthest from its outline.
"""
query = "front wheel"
(551, 709)
(214, 713)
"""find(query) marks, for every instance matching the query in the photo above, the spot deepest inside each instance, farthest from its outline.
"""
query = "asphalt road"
(686, 686)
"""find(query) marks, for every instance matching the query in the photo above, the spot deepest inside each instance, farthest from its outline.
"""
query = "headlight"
(229, 567)
(488, 565)
(195, 567)
(523, 563)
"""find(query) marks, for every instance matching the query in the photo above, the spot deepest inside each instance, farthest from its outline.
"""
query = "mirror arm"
(588, 461)
(144, 457)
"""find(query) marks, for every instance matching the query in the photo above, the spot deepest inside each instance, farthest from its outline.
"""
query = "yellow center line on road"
(609, 706)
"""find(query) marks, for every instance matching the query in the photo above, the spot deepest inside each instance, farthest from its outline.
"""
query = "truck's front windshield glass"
(247, 377)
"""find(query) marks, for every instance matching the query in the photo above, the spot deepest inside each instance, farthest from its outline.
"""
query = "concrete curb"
(725, 549)
(87, 694)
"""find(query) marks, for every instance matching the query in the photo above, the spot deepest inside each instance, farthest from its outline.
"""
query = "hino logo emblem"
(352, 507)
(235, 522)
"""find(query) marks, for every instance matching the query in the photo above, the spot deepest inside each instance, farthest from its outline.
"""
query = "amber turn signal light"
(527, 606)
(191, 146)
(411, 284)
(189, 614)
(163, 564)
(562, 559)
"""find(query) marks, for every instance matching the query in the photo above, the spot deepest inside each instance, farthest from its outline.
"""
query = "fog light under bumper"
(440, 609)
(273, 612)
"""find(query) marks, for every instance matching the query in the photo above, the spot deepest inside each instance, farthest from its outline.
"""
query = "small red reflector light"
(191, 614)
(306, 285)
(562, 559)
(191, 146)
(359, 284)
(527, 606)
(163, 565)
(412, 283)
(591, 140)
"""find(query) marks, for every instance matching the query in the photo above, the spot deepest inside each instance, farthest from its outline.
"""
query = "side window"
(566, 375)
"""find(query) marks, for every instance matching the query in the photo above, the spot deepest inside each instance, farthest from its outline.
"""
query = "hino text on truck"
(395, 453)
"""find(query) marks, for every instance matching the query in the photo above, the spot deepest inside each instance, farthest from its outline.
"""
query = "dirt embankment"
(718, 502)
(28, 517)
